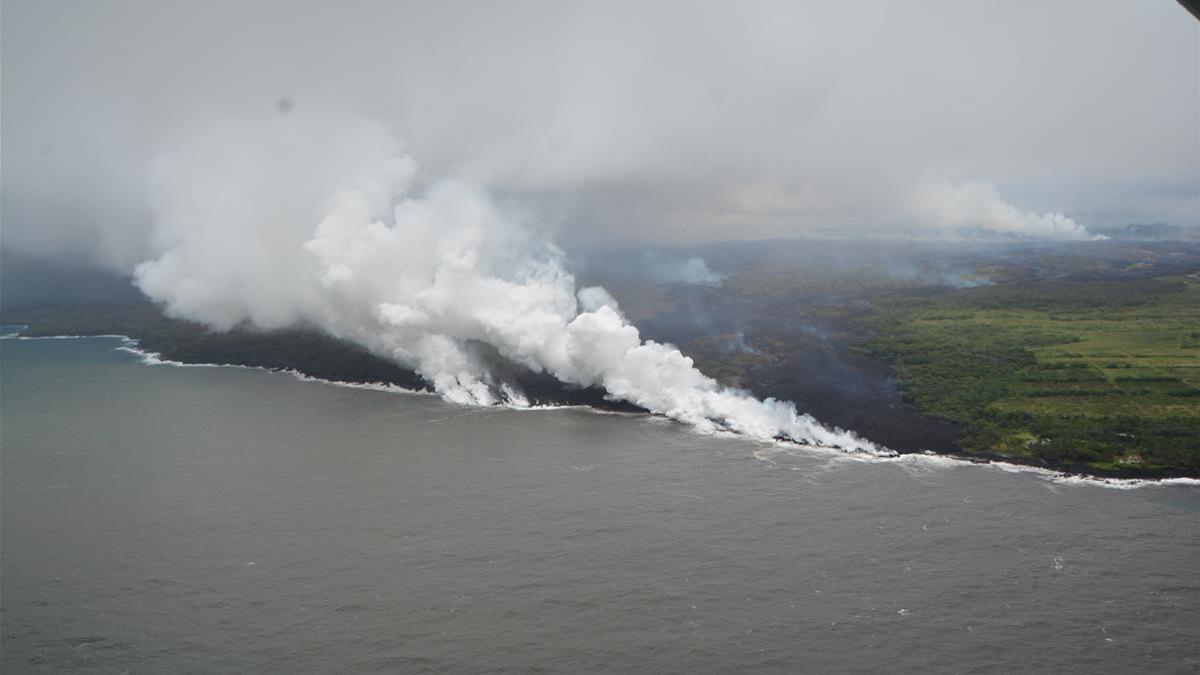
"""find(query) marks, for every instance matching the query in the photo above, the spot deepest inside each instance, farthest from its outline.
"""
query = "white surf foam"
(18, 336)
(149, 358)
(926, 461)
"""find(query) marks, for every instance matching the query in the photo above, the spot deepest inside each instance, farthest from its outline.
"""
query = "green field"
(1102, 372)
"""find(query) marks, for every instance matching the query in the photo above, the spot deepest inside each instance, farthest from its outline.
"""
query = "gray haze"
(630, 122)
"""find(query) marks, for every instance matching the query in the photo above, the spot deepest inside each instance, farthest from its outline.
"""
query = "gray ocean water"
(164, 519)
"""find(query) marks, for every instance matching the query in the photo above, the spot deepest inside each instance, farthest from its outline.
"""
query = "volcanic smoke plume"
(311, 219)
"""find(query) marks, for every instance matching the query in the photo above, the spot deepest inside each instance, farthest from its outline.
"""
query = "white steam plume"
(310, 219)
(978, 205)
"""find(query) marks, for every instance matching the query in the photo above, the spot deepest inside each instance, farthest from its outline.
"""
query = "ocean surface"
(167, 519)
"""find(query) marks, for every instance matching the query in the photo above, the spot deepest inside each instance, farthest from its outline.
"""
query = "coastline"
(1119, 478)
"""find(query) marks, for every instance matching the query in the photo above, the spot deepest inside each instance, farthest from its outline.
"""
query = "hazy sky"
(631, 122)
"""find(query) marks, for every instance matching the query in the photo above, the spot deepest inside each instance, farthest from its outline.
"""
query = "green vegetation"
(1105, 373)
(1082, 356)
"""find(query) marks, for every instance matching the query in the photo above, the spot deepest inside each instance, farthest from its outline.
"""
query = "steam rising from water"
(313, 219)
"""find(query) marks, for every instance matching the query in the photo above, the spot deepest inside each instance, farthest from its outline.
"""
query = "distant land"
(1083, 357)
(1151, 232)
(1080, 356)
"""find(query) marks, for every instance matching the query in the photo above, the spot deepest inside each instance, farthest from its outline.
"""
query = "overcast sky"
(628, 122)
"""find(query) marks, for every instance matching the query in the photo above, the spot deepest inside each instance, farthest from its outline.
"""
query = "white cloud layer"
(624, 122)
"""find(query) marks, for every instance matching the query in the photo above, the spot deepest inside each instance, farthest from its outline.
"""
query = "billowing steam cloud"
(978, 206)
(312, 219)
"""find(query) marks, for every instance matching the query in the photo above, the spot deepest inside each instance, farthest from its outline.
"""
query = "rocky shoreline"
(309, 355)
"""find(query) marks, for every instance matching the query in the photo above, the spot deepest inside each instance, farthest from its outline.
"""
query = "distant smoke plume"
(930, 274)
(978, 206)
(737, 343)
(311, 219)
(667, 269)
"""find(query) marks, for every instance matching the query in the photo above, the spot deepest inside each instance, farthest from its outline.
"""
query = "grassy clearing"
(1096, 372)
